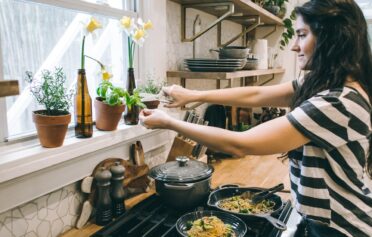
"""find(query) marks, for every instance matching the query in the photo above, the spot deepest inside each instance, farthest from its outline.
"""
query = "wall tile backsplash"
(56, 212)
(47, 216)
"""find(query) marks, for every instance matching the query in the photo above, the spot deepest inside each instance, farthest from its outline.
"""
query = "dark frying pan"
(233, 190)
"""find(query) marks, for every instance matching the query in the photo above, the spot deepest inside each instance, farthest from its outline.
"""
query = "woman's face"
(304, 44)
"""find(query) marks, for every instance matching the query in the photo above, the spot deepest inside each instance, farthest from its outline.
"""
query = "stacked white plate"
(214, 65)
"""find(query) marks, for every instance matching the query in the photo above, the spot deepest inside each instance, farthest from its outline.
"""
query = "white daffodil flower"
(89, 28)
(136, 34)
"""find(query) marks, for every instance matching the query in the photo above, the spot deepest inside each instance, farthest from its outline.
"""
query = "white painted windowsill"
(28, 170)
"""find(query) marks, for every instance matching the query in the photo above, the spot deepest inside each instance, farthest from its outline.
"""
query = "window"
(40, 34)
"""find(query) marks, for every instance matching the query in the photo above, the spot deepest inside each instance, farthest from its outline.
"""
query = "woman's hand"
(179, 96)
(154, 118)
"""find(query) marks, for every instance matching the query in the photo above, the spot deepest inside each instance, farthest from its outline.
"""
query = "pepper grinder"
(104, 203)
(117, 190)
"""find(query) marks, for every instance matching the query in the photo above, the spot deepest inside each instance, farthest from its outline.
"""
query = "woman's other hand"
(179, 96)
(154, 118)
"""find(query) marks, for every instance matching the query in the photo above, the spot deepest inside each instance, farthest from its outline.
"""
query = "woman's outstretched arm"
(250, 96)
(275, 136)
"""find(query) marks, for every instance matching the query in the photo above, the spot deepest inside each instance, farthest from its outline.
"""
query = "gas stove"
(152, 218)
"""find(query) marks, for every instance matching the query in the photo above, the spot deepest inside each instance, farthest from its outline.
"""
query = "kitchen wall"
(56, 212)
(177, 51)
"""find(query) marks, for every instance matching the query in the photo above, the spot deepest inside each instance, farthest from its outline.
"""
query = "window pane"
(123, 4)
(36, 37)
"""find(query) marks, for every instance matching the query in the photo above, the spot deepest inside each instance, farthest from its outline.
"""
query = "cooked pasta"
(210, 226)
(243, 205)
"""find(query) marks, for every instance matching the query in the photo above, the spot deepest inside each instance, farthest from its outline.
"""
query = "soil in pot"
(107, 117)
(152, 104)
(51, 130)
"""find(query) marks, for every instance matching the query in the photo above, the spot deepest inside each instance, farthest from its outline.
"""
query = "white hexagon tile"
(55, 213)
(46, 216)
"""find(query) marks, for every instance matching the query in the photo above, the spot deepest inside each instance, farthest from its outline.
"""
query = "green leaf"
(282, 43)
(293, 15)
(140, 104)
(287, 22)
(113, 99)
(291, 31)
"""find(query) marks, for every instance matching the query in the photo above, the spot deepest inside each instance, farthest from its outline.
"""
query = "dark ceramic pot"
(184, 183)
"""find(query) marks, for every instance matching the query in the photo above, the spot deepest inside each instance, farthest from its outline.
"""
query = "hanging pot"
(184, 183)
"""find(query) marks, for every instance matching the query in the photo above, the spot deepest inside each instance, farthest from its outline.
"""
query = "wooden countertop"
(252, 171)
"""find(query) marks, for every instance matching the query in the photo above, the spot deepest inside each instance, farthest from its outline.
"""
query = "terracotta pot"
(152, 104)
(107, 117)
(51, 130)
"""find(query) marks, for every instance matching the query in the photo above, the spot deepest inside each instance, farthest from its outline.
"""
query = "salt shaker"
(104, 203)
(117, 190)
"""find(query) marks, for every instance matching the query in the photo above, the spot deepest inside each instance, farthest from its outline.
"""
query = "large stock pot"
(183, 183)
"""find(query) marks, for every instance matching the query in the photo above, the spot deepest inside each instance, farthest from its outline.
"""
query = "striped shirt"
(328, 179)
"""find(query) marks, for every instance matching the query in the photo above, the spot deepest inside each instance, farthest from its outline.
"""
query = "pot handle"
(276, 222)
(228, 186)
(215, 50)
(179, 187)
(214, 204)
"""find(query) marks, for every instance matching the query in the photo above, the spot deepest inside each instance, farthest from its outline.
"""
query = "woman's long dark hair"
(342, 50)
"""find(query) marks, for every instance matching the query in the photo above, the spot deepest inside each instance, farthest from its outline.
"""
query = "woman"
(327, 132)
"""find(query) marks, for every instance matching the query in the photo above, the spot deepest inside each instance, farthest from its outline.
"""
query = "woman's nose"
(295, 46)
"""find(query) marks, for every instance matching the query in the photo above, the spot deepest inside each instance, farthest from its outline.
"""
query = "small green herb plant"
(151, 87)
(110, 94)
(50, 91)
(134, 100)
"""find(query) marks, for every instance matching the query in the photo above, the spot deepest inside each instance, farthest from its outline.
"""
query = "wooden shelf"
(245, 7)
(223, 75)
(8, 88)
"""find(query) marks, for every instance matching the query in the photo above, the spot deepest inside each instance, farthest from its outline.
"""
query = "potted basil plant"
(50, 91)
(109, 105)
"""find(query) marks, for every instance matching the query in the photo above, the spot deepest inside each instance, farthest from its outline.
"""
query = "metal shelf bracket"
(271, 32)
(228, 13)
(245, 31)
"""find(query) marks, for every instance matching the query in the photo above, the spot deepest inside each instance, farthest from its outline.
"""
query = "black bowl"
(238, 226)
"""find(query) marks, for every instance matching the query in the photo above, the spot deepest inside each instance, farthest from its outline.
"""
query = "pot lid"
(181, 171)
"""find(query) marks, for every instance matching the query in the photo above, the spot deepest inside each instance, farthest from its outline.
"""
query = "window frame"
(75, 5)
